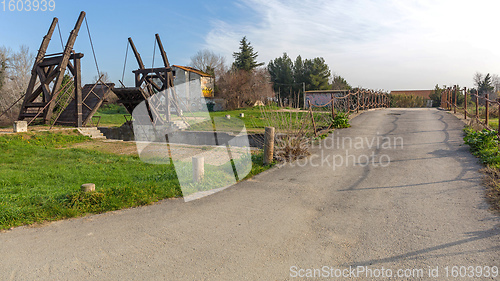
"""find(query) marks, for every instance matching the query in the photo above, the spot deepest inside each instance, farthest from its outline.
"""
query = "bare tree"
(478, 79)
(105, 78)
(209, 62)
(15, 73)
(495, 82)
(5, 54)
(244, 88)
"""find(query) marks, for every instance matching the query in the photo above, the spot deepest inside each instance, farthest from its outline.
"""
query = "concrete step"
(180, 125)
(92, 132)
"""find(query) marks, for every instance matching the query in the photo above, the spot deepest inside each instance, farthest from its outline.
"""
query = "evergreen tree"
(485, 85)
(436, 95)
(301, 73)
(339, 83)
(320, 72)
(246, 58)
(281, 71)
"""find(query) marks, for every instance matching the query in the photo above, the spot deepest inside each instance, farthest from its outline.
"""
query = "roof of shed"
(194, 70)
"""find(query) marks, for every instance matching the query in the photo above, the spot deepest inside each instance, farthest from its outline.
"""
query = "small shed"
(192, 86)
(322, 97)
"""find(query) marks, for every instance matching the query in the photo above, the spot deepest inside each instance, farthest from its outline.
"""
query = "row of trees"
(289, 77)
(248, 81)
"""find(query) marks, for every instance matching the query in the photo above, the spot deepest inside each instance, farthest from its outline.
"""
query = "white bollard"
(228, 116)
(242, 115)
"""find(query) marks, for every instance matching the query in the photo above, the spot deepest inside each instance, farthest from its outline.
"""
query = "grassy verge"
(40, 178)
(484, 145)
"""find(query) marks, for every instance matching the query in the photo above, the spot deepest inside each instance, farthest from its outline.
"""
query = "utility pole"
(304, 93)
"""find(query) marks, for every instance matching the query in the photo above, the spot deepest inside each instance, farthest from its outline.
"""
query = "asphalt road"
(417, 205)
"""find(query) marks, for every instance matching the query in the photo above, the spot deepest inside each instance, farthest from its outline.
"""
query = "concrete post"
(88, 187)
(20, 126)
(198, 168)
(268, 145)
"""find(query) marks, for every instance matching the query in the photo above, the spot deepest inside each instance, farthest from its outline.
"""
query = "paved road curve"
(417, 205)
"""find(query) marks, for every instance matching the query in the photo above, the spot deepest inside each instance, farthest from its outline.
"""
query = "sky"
(375, 44)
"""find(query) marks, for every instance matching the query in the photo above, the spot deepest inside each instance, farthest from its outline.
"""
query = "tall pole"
(304, 91)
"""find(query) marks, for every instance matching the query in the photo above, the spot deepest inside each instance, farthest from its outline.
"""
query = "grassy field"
(41, 174)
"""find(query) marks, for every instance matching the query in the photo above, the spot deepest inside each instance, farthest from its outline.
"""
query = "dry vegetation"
(492, 182)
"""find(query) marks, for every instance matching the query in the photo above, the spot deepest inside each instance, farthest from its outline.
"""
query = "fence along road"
(426, 209)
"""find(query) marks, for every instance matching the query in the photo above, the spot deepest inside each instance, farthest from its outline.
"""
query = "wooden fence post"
(450, 99)
(357, 98)
(442, 100)
(348, 102)
(487, 112)
(455, 103)
(477, 106)
(465, 103)
(498, 129)
(312, 117)
(268, 145)
(333, 108)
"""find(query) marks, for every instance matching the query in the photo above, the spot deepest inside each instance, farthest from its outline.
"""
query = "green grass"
(254, 119)
(493, 123)
(484, 145)
(40, 178)
(112, 115)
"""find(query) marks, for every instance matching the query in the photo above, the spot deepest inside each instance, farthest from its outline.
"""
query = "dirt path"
(418, 206)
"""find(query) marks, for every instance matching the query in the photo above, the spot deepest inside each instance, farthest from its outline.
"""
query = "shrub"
(341, 120)
(407, 101)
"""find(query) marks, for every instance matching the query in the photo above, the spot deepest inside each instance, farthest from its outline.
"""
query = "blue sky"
(379, 44)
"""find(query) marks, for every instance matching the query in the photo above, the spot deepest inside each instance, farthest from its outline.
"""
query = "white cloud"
(376, 44)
